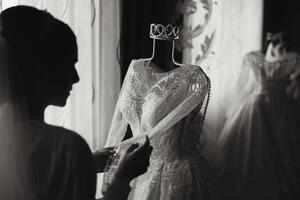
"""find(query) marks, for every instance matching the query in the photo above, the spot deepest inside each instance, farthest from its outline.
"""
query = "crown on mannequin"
(161, 32)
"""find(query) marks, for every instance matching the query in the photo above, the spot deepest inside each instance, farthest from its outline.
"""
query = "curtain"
(106, 72)
(90, 107)
(217, 36)
(283, 16)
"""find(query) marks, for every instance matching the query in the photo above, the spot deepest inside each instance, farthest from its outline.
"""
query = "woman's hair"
(36, 40)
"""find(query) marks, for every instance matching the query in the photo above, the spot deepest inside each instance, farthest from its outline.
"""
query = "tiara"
(161, 32)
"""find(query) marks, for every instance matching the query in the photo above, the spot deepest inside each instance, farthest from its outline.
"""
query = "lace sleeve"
(119, 124)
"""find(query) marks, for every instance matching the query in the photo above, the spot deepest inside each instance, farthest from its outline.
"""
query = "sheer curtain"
(91, 104)
(219, 34)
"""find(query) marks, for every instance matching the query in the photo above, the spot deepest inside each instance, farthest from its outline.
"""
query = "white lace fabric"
(169, 107)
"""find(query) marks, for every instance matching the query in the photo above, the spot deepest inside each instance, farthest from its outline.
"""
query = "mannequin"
(169, 106)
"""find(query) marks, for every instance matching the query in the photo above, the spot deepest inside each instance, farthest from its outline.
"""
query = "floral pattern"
(196, 35)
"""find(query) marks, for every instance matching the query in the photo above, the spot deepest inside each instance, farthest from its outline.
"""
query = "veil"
(14, 169)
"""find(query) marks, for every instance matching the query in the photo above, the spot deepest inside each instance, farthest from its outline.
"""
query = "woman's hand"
(135, 161)
(101, 157)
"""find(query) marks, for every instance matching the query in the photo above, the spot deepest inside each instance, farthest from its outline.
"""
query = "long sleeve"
(119, 124)
(117, 129)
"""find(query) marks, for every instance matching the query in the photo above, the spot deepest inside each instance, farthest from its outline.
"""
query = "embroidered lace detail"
(168, 107)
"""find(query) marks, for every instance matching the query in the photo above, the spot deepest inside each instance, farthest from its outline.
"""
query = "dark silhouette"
(58, 162)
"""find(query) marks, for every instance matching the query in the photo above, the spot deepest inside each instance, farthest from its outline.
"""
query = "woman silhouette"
(52, 162)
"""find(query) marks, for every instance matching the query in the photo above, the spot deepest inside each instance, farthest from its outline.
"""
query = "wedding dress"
(260, 140)
(169, 107)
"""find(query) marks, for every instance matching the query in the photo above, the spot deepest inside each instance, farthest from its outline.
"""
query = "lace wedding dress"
(169, 107)
(260, 140)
